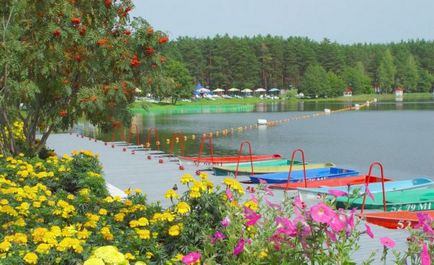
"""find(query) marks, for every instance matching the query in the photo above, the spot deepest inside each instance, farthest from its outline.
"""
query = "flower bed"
(58, 211)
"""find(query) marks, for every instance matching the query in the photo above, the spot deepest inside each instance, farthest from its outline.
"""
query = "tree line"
(315, 68)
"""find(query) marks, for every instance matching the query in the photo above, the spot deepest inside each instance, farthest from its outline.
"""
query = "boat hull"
(395, 220)
(404, 200)
(298, 175)
(223, 171)
(247, 166)
(328, 182)
(315, 194)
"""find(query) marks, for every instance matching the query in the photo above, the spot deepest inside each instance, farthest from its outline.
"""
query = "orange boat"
(229, 159)
(328, 182)
(395, 220)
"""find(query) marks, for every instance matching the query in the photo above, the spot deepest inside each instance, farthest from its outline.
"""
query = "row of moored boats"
(400, 200)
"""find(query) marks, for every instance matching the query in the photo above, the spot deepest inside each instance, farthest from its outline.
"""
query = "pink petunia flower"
(369, 231)
(321, 213)
(239, 247)
(338, 193)
(219, 235)
(331, 235)
(229, 194)
(251, 216)
(425, 256)
(191, 258)
(338, 222)
(225, 222)
(369, 193)
(387, 242)
(273, 205)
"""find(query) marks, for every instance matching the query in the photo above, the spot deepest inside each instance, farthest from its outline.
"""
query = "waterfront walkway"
(127, 170)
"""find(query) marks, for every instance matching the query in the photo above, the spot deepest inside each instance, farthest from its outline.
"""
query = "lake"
(398, 134)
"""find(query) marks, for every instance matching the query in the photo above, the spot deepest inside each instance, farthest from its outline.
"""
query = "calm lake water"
(398, 134)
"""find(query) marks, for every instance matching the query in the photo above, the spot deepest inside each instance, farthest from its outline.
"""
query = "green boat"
(246, 169)
(404, 200)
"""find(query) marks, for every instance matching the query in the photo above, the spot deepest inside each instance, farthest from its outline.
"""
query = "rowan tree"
(62, 60)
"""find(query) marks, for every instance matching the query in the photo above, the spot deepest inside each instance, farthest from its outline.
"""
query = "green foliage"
(386, 72)
(357, 79)
(183, 83)
(315, 81)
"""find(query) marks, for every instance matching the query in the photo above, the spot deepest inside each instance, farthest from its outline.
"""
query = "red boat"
(395, 220)
(328, 182)
(229, 159)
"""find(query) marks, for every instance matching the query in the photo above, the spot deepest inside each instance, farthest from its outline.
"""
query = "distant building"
(399, 92)
(348, 92)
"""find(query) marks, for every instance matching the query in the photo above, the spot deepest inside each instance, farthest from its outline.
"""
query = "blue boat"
(311, 174)
(398, 185)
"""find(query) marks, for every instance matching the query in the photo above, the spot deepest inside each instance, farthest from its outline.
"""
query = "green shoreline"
(248, 104)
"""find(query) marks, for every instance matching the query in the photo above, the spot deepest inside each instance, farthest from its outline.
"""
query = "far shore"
(241, 103)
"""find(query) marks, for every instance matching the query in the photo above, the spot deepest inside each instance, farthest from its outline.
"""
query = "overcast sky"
(344, 21)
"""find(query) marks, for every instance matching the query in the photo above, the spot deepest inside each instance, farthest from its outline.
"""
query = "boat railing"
(380, 166)
(152, 132)
(130, 132)
(176, 137)
(299, 150)
(201, 146)
(240, 154)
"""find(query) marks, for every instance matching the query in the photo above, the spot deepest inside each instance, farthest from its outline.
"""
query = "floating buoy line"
(179, 138)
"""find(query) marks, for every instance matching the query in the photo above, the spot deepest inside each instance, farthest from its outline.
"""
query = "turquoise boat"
(308, 194)
(403, 200)
(246, 166)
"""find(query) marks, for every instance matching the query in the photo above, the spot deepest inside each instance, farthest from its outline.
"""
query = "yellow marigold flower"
(134, 223)
(194, 194)
(128, 202)
(108, 199)
(4, 202)
(105, 232)
(182, 208)
(31, 258)
(5, 246)
(203, 175)
(149, 254)
(36, 204)
(143, 233)
(38, 234)
(138, 191)
(127, 191)
(154, 234)
(84, 234)
(94, 261)
(129, 256)
(119, 217)
(263, 254)
(178, 257)
(19, 238)
(174, 230)
(252, 205)
(110, 255)
(168, 216)
(20, 222)
(170, 194)
(143, 221)
(102, 211)
(84, 192)
(187, 178)
(43, 248)
(70, 197)
(139, 263)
